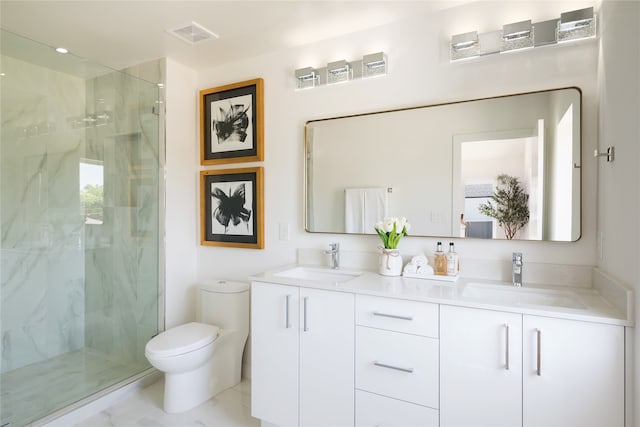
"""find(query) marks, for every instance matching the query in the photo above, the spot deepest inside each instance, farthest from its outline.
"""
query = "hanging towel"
(363, 207)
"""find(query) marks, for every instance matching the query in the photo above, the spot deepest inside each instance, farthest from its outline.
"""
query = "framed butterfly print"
(231, 123)
(231, 208)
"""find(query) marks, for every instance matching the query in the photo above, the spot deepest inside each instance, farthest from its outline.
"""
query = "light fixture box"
(307, 78)
(516, 36)
(465, 46)
(339, 72)
(374, 64)
(577, 24)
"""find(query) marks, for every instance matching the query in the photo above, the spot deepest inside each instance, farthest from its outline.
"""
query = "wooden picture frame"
(231, 123)
(232, 208)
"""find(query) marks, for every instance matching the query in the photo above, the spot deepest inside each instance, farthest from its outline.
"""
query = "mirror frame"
(576, 165)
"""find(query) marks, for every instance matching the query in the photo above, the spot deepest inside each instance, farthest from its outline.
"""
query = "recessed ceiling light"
(62, 50)
(193, 33)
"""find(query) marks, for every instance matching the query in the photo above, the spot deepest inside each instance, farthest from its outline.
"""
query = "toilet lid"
(181, 339)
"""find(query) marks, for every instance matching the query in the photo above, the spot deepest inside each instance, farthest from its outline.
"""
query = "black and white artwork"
(231, 124)
(231, 120)
(232, 207)
(232, 204)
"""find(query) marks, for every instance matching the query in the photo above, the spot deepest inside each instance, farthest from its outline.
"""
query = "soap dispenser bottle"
(440, 261)
(452, 261)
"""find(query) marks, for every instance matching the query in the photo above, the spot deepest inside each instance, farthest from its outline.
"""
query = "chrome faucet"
(334, 251)
(516, 270)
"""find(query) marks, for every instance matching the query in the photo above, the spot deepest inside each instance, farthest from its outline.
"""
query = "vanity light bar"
(341, 71)
(574, 25)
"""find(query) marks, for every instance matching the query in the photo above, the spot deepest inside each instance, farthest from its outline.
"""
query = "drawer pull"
(539, 352)
(287, 322)
(305, 326)
(393, 316)
(397, 368)
(506, 337)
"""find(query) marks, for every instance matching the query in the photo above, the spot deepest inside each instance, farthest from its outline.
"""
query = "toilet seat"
(181, 339)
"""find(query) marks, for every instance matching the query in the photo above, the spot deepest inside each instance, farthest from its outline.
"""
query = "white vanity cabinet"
(561, 372)
(396, 362)
(480, 368)
(573, 373)
(302, 356)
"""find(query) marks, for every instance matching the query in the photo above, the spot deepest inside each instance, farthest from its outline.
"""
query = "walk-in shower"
(79, 218)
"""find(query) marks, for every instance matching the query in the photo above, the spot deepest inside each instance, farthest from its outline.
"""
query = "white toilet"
(200, 359)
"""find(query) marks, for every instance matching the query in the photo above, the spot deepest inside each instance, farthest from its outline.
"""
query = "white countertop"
(596, 308)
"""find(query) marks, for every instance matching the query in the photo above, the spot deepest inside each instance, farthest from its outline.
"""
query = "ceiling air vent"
(193, 33)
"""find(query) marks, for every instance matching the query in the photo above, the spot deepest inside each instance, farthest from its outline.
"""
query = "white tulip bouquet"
(391, 230)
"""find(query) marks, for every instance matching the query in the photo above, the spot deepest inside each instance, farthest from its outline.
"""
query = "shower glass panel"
(79, 207)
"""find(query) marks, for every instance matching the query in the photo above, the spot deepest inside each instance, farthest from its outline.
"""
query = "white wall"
(181, 238)
(618, 182)
(419, 73)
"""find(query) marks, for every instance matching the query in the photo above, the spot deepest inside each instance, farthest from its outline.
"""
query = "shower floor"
(37, 390)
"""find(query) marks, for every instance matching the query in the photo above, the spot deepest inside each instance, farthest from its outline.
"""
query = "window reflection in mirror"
(92, 191)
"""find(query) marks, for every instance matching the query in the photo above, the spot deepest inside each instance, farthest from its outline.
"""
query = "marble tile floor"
(34, 391)
(231, 408)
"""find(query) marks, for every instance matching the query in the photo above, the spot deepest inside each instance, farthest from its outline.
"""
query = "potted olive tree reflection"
(509, 205)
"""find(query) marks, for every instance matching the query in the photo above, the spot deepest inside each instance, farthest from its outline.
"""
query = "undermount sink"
(504, 294)
(318, 274)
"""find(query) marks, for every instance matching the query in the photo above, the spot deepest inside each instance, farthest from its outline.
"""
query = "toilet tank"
(225, 304)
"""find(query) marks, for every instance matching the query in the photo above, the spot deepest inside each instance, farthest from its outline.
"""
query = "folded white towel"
(425, 269)
(419, 264)
(420, 260)
(410, 268)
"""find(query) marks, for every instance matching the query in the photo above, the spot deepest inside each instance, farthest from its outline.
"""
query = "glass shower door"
(79, 208)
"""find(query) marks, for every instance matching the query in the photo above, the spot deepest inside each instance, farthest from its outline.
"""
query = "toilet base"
(185, 391)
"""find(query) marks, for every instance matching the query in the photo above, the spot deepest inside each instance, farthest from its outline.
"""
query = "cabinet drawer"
(374, 410)
(410, 317)
(397, 365)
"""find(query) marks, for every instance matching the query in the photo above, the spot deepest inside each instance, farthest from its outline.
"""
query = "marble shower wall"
(43, 307)
(121, 257)
(67, 284)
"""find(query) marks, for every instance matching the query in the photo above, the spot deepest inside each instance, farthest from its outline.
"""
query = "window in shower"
(92, 191)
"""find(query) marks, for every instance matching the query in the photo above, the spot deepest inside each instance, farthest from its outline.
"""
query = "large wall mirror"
(436, 165)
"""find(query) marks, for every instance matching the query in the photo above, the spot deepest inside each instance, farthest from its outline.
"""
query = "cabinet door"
(573, 373)
(480, 367)
(326, 358)
(274, 353)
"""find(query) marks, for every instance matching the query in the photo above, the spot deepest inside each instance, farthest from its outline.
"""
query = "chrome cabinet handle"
(397, 368)
(506, 352)
(539, 351)
(393, 316)
(304, 300)
(287, 322)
